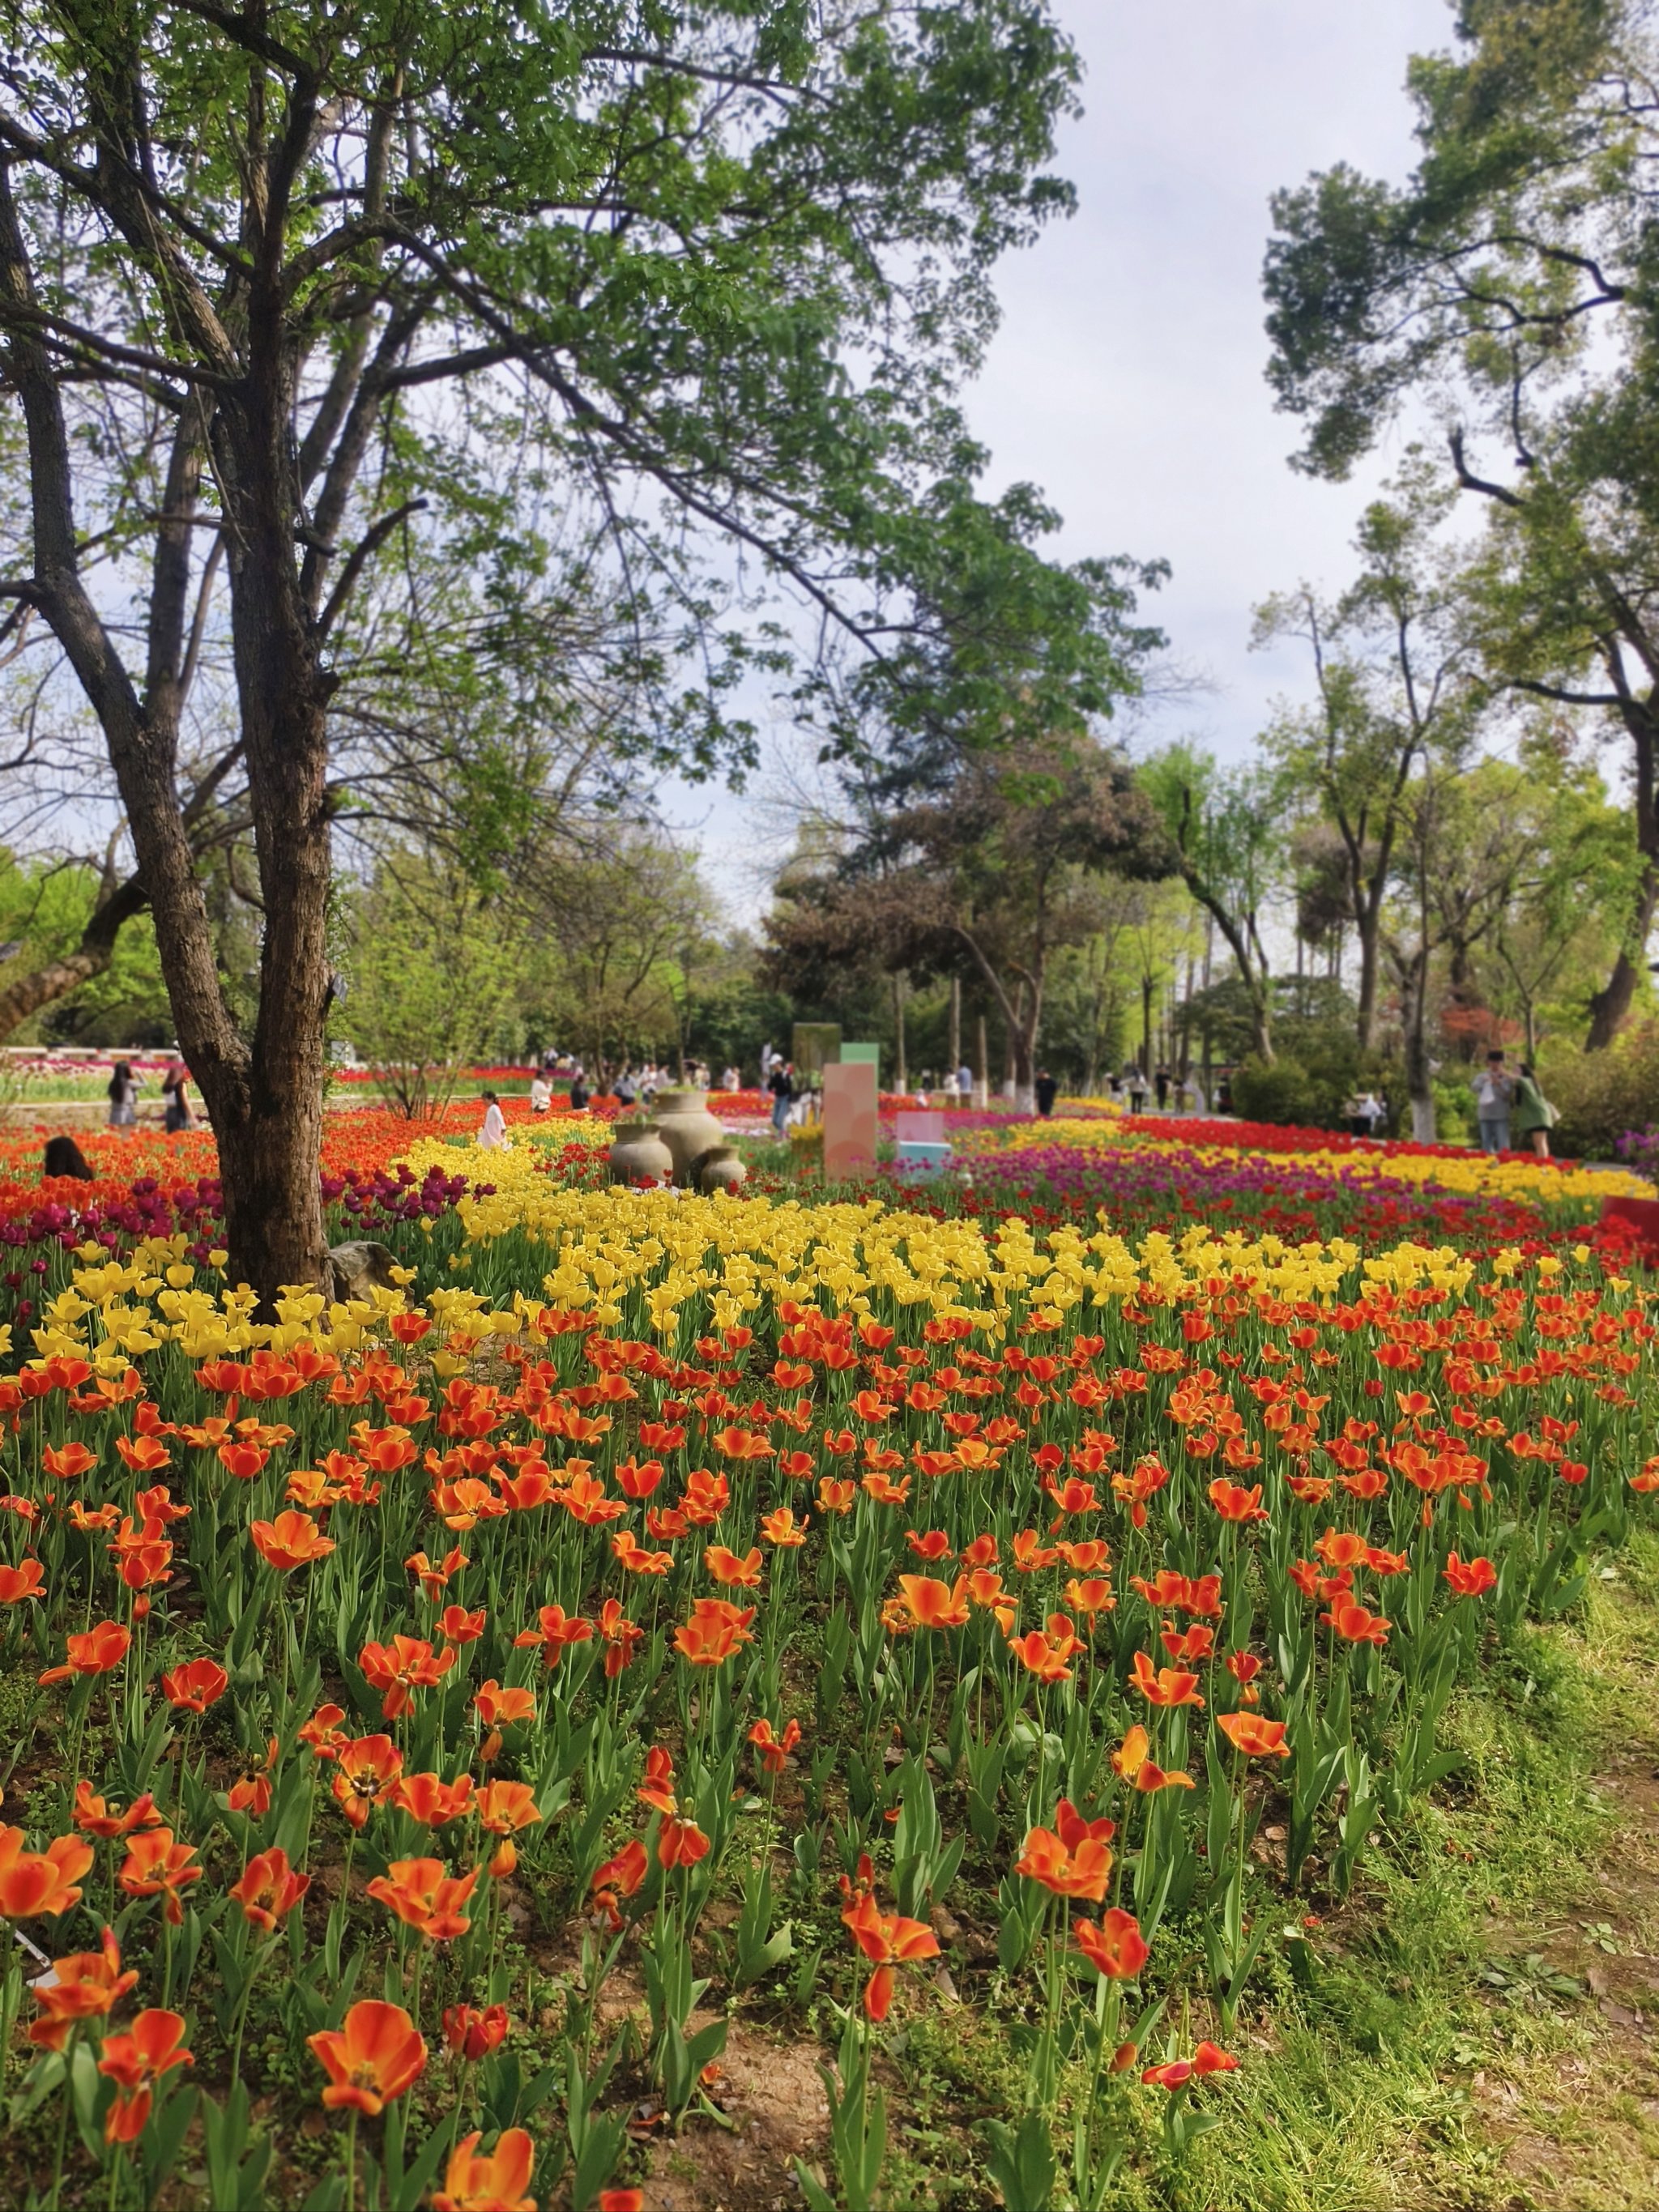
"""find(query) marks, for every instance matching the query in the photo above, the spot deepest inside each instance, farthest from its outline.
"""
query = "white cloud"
(1127, 380)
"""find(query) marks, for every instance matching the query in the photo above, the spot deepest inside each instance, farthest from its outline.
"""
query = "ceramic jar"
(723, 1168)
(638, 1154)
(688, 1128)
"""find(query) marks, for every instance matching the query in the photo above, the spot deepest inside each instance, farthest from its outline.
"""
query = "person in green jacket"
(1531, 1113)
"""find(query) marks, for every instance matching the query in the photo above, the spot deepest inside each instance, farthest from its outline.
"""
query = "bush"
(1285, 1094)
(1601, 1095)
(1454, 1114)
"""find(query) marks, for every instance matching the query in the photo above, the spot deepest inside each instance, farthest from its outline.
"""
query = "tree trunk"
(903, 1064)
(41, 987)
(1365, 1018)
(955, 1046)
(983, 1086)
(1610, 1006)
(1147, 1027)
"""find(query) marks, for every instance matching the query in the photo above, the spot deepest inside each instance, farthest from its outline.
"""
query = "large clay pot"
(688, 1129)
(723, 1168)
(638, 1154)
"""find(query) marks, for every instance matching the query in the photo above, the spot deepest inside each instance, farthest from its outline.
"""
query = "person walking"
(1532, 1115)
(578, 1089)
(541, 1093)
(493, 1135)
(1136, 1091)
(1161, 1084)
(1494, 1093)
(174, 1085)
(783, 1091)
(122, 1096)
(1044, 1089)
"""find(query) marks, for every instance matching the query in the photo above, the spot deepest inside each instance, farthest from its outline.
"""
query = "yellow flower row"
(1480, 1173)
(661, 1256)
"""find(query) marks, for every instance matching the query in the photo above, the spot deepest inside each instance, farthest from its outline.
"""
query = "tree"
(270, 277)
(994, 871)
(1509, 284)
(431, 972)
(625, 929)
(1395, 677)
(1226, 827)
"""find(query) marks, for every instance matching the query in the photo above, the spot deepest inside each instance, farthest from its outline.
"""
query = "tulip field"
(1004, 1626)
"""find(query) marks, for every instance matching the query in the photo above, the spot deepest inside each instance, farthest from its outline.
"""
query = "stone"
(359, 1267)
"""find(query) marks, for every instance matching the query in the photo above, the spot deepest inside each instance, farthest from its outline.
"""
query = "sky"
(1127, 379)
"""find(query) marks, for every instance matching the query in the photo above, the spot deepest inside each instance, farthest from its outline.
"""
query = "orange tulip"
(622, 1876)
(1356, 1625)
(1233, 1502)
(553, 1631)
(17, 1583)
(775, 1750)
(1206, 2059)
(430, 1800)
(931, 1603)
(888, 1940)
(426, 1897)
(714, 1633)
(726, 1567)
(93, 1816)
(401, 1666)
(93, 1651)
(1468, 1577)
(372, 2059)
(742, 1444)
(84, 1986)
(197, 1685)
(135, 2062)
(632, 1556)
(65, 1461)
(1073, 1858)
(500, 1708)
(472, 2034)
(1141, 1772)
(619, 1635)
(157, 1866)
(783, 1529)
(1115, 1948)
(1170, 1686)
(41, 1881)
(365, 1770)
(268, 1889)
(1256, 1737)
(505, 1807)
(1044, 1651)
(495, 2183)
(292, 1540)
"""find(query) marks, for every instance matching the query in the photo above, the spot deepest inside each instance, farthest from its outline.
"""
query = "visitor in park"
(730, 1080)
(122, 1096)
(1532, 1115)
(174, 1085)
(1136, 1091)
(1494, 1092)
(767, 1058)
(965, 1081)
(624, 1088)
(541, 1093)
(781, 1087)
(493, 1135)
(1043, 1090)
(1161, 1084)
(1368, 1114)
(578, 1089)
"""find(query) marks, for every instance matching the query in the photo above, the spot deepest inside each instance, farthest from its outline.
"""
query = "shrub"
(1284, 1093)
(1601, 1095)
